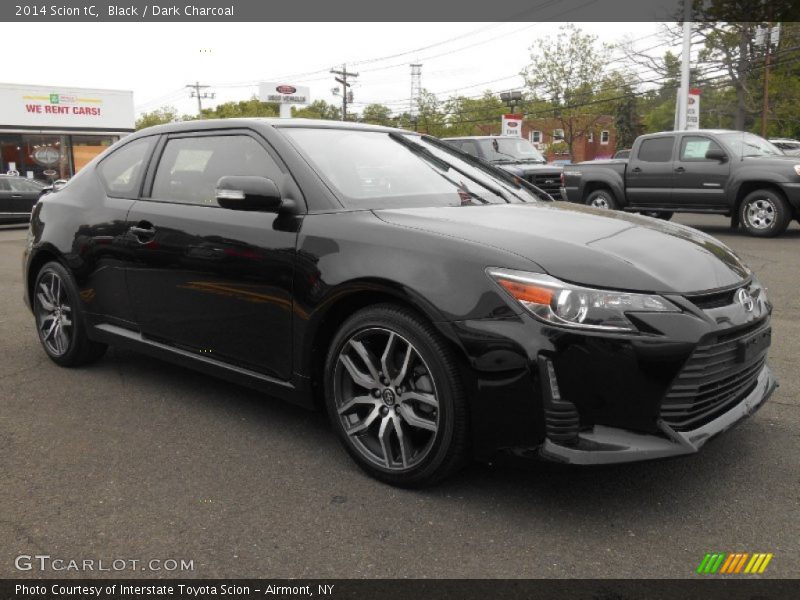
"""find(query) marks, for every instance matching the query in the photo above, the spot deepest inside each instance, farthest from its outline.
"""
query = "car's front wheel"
(602, 198)
(394, 397)
(59, 318)
(764, 213)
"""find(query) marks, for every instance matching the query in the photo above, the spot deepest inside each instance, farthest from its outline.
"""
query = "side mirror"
(716, 154)
(246, 192)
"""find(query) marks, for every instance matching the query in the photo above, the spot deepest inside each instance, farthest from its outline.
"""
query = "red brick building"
(599, 141)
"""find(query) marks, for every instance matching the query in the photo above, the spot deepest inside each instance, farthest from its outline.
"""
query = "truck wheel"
(764, 213)
(602, 199)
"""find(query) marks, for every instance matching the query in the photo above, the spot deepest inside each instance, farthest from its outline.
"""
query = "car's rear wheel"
(59, 318)
(764, 213)
(602, 198)
(394, 397)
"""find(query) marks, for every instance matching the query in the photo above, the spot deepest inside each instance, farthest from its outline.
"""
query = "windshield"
(510, 149)
(375, 169)
(747, 144)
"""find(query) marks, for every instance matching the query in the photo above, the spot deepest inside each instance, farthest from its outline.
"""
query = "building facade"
(51, 132)
(592, 142)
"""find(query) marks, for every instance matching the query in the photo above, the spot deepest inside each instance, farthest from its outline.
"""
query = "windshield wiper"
(423, 152)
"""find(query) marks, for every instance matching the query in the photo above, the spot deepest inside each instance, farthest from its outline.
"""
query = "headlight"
(559, 303)
(797, 169)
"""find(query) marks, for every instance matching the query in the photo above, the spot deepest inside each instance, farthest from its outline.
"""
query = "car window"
(190, 167)
(656, 149)
(510, 149)
(122, 170)
(374, 169)
(470, 147)
(4, 187)
(694, 148)
(23, 186)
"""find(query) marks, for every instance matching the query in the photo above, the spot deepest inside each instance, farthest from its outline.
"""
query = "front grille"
(712, 381)
(549, 183)
(713, 300)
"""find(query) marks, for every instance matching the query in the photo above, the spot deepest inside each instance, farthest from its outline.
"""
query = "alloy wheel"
(760, 213)
(386, 399)
(600, 202)
(53, 314)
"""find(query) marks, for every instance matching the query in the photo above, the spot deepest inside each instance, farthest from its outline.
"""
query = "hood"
(588, 246)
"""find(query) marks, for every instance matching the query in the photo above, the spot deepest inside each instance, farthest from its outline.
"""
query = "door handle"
(16, 195)
(680, 170)
(143, 230)
(637, 170)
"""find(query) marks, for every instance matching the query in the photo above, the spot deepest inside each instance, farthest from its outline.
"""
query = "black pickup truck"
(731, 173)
(515, 155)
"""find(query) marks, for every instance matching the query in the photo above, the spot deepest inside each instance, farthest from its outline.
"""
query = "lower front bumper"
(607, 445)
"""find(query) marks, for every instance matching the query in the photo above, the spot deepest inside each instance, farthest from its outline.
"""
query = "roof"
(270, 122)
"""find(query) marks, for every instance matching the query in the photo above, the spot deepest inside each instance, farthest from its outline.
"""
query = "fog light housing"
(561, 419)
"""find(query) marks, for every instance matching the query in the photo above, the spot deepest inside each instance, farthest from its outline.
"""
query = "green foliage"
(466, 115)
(319, 109)
(244, 108)
(165, 114)
(377, 114)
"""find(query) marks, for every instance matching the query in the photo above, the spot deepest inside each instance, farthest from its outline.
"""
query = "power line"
(196, 93)
(347, 95)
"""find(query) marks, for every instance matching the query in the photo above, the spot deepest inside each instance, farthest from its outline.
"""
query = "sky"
(157, 60)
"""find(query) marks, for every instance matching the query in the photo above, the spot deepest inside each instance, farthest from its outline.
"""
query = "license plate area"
(754, 345)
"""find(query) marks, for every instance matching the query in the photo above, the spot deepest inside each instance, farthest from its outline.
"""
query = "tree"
(563, 72)
(465, 116)
(377, 114)
(319, 109)
(244, 108)
(626, 117)
(165, 114)
(430, 118)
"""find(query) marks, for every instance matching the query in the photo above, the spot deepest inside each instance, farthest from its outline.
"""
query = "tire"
(60, 322)
(664, 215)
(424, 401)
(764, 213)
(602, 198)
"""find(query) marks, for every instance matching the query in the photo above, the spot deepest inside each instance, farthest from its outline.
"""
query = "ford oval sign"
(512, 124)
(285, 89)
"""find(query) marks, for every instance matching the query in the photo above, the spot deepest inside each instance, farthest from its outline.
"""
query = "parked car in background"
(619, 154)
(731, 173)
(17, 197)
(515, 155)
(430, 302)
(789, 147)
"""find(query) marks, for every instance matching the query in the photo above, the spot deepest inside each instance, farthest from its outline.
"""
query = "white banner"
(512, 125)
(40, 106)
(693, 110)
(284, 93)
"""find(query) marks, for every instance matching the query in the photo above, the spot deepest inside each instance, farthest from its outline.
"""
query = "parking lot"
(132, 458)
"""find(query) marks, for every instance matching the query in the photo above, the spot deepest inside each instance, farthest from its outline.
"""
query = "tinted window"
(694, 148)
(190, 167)
(510, 149)
(121, 171)
(656, 149)
(4, 187)
(372, 169)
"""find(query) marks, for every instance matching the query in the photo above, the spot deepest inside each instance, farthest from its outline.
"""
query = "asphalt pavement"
(135, 459)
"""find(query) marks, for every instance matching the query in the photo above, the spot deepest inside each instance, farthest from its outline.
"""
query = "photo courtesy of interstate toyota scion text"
(439, 308)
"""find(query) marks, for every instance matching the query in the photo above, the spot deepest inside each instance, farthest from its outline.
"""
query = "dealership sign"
(283, 93)
(512, 125)
(38, 106)
(693, 109)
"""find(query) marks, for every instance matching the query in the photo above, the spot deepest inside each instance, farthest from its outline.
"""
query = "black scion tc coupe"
(435, 305)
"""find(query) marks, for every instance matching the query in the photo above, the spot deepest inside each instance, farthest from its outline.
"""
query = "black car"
(516, 155)
(17, 197)
(432, 303)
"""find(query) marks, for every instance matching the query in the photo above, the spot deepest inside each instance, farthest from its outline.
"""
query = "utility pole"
(347, 95)
(196, 93)
(416, 91)
(768, 35)
(683, 92)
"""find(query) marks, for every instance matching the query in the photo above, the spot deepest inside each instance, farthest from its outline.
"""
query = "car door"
(649, 174)
(24, 194)
(208, 279)
(6, 202)
(699, 182)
